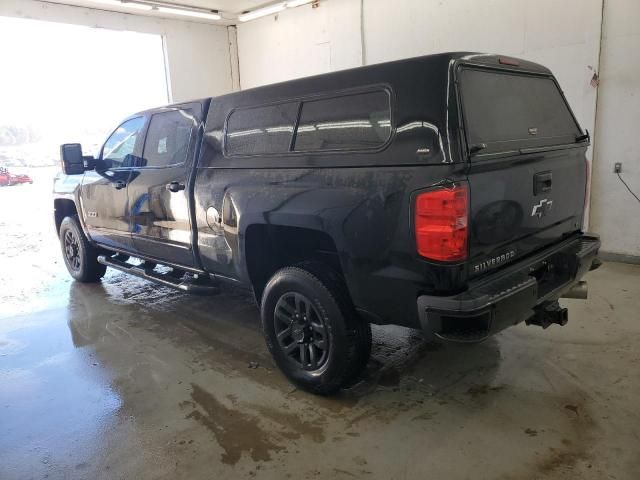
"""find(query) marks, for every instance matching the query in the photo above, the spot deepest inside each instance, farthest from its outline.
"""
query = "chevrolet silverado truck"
(444, 193)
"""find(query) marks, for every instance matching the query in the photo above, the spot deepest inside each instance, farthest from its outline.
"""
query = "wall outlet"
(617, 167)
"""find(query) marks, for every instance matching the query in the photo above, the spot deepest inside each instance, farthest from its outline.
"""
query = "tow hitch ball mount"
(549, 313)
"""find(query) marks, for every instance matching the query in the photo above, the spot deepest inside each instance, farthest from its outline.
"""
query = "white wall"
(199, 58)
(615, 213)
(300, 42)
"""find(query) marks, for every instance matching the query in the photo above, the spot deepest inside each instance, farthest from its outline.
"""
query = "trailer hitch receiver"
(549, 313)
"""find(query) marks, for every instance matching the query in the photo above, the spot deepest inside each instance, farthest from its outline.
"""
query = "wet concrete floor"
(128, 380)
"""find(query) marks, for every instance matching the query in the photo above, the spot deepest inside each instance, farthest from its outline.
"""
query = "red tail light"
(441, 223)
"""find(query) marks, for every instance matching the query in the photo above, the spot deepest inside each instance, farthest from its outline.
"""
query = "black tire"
(362, 329)
(330, 322)
(80, 257)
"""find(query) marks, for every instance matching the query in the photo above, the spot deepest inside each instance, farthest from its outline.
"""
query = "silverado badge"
(494, 262)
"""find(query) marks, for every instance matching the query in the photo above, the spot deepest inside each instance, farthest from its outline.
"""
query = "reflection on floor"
(128, 380)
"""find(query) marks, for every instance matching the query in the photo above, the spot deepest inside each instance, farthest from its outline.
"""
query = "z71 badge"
(494, 262)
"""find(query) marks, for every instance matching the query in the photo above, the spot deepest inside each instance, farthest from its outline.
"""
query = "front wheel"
(80, 257)
(312, 329)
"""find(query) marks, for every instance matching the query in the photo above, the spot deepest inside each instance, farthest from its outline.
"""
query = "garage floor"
(125, 379)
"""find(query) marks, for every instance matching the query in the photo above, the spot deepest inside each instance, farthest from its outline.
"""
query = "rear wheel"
(80, 257)
(312, 329)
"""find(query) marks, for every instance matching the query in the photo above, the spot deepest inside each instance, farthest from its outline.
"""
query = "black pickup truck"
(444, 193)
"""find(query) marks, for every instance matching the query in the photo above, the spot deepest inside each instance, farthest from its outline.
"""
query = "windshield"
(506, 111)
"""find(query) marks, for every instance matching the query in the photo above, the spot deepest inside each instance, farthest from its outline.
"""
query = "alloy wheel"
(301, 332)
(72, 250)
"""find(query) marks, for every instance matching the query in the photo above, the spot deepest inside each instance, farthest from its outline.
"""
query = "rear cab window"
(507, 111)
(168, 138)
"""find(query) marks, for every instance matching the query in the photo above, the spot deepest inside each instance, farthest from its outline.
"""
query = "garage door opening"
(65, 83)
(59, 84)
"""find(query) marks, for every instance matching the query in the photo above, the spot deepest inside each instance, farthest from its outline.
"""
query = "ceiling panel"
(230, 6)
(229, 9)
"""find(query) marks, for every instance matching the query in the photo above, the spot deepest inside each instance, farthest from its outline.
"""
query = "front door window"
(122, 142)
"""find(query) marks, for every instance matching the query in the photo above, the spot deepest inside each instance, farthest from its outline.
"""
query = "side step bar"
(198, 285)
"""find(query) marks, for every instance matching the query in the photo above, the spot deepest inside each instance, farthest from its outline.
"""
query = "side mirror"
(71, 158)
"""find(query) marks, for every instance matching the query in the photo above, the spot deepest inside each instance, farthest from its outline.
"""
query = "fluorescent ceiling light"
(262, 12)
(190, 13)
(118, 3)
(297, 3)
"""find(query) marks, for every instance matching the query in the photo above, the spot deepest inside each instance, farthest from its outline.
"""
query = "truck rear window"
(507, 111)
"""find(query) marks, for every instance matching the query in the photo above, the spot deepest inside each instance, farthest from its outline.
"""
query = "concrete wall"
(615, 213)
(199, 57)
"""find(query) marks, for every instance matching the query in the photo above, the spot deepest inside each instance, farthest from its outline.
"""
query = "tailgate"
(527, 166)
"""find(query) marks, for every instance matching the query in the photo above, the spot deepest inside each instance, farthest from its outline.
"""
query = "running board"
(198, 286)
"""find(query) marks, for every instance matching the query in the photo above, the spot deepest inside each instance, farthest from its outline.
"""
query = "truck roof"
(433, 61)
(385, 72)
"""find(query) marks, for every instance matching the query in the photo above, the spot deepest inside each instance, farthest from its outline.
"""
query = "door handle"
(542, 182)
(175, 186)
(119, 184)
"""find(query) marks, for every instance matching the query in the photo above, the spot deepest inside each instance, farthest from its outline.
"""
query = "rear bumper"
(510, 296)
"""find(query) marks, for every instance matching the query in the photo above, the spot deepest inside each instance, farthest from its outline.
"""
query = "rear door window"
(261, 130)
(357, 121)
(507, 111)
(168, 138)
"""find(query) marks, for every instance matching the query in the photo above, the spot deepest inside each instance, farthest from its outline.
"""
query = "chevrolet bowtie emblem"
(542, 208)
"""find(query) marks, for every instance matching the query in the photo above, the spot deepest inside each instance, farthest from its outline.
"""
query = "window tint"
(261, 130)
(122, 142)
(168, 138)
(346, 122)
(502, 107)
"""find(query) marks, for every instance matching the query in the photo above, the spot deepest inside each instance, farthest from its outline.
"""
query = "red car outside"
(18, 179)
(7, 178)
(4, 177)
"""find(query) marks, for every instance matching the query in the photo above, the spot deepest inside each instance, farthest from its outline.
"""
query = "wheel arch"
(63, 207)
(268, 248)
